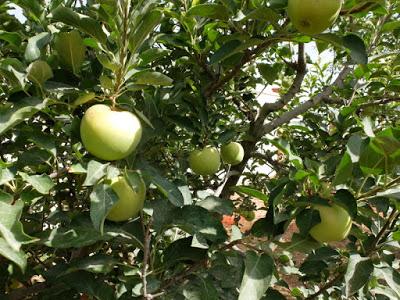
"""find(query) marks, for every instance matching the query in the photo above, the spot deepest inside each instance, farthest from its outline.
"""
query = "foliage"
(192, 72)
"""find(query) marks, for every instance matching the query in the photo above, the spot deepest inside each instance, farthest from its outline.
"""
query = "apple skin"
(313, 16)
(130, 200)
(232, 153)
(206, 161)
(335, 224)
(110, 134)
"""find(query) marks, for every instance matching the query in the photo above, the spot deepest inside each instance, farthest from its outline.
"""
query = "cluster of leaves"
(191, 70)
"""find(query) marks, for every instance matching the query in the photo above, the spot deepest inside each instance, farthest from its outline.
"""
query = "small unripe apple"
(206, 161)
(110, 134)
(335, 224)
(130, 200)
(232, 153)
(313, 16)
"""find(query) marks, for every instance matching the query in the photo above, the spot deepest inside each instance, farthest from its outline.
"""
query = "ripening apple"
(313, 16)
(232, 153)
(130, 200)
(206, 161)
(335, 224)
(110, 134)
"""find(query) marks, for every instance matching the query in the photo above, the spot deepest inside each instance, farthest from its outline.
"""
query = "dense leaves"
(317, 116)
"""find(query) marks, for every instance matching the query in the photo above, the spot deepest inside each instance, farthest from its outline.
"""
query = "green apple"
(313, 16)
(206, 161)
(335, 224)
(130, 200)
(110, 134)
(232, 153)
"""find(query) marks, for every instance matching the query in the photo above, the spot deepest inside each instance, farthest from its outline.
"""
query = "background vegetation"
(189, 70)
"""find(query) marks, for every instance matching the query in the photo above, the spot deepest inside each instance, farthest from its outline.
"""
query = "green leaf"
(143, 29)
(102, 200)
(95, 171)
(346, 199)
(269, 72)
(181, 250)
(356, 45)
(71, 50)
(226, 50)
(17, 257)
(79, 21)
(5, 175)
(11, 229)
(13, 38)
(209, 10)
(152, 78)
(168, 189)
(257, 276)
(35, 44)
(42, 183)
(391, 276)
(98, 263)
(84, 98)
(218, 205)
(307, 219)
(358, 272)
(39, 72)
(250, 191)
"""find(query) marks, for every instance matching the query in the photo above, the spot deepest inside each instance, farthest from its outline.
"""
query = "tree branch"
(267, 108)
(146, 252)
(302, 108)
(325, 287)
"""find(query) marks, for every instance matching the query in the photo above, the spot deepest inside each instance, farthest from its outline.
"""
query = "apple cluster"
(207, 161)
(111, 134)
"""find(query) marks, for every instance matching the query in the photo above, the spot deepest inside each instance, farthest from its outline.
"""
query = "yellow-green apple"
(232, 153)
(130, 198)
(110, 134)
(335, 224)
(313, 16)
(206, 161)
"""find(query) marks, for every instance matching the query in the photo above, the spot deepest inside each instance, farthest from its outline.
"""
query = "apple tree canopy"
(316, 111)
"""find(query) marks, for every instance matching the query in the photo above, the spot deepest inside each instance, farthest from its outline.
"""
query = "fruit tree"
(199, 149)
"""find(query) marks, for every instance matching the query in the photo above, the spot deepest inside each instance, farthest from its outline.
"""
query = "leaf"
(209, 10)
(218, 205)
(358, 51)
(358, 272)
(181, 250)
(17, 257)
(257, 276)
(5, 175)
(79, 21)
(42, 183)
(102, 200)
(11, 229)
(307, 219)
(346, 199)
(196, 220)
(13, 38)
(344, 170)
(391, 276)
(390, 193)
(84, 98)
(39, 72)
(168, 189)
(152, 78)
(95, 171)
(250, 191)
(98, 263)
(71, 49)
(269, 72)
(143, 29)
(18, 112)
(227, 50)
(35, 44)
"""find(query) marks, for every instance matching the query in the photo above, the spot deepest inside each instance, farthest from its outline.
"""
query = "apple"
(232, 153)
(130, 200)
(110, 134)
(313, 16)
(335, 224)
(206, 161)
